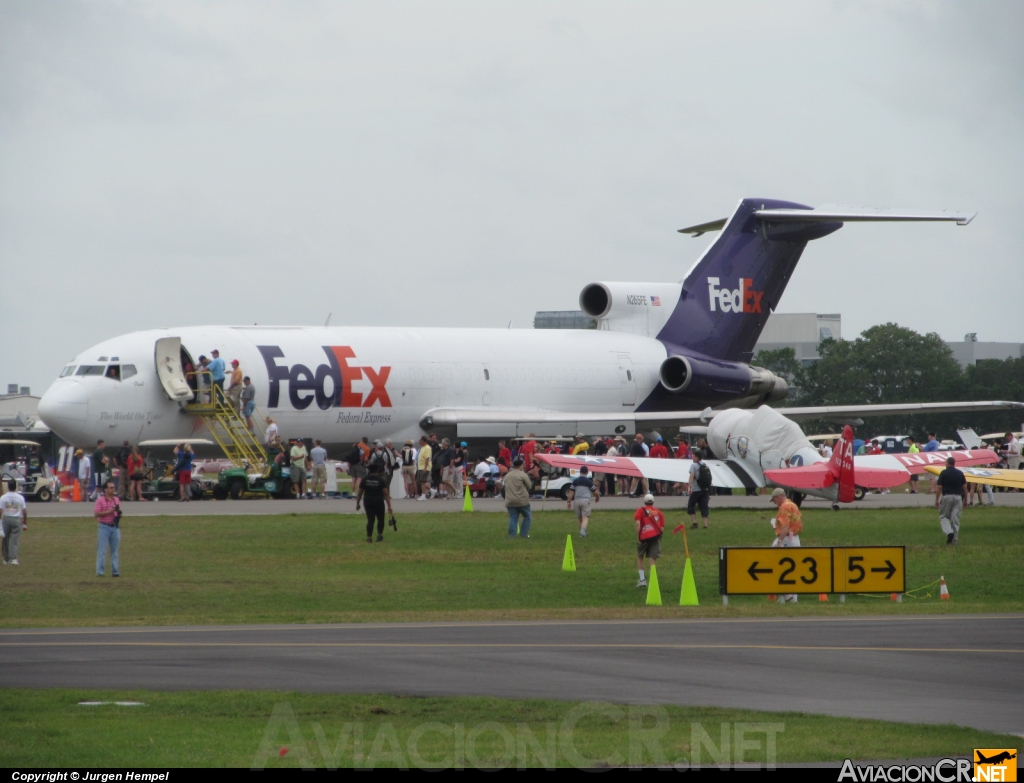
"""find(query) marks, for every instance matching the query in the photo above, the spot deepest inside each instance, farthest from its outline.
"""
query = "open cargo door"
(168, 368)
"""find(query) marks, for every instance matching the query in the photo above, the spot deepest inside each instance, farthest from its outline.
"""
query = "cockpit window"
(114, 372)
(67, 370)
(127, 371)
(90, 369)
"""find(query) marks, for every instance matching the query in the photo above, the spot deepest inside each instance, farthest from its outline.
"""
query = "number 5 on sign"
(869, 569)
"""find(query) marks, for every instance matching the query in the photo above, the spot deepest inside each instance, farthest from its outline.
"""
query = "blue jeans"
(513, 521)
(108, 536)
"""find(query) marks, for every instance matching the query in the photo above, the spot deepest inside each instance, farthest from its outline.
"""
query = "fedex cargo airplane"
(663, 354)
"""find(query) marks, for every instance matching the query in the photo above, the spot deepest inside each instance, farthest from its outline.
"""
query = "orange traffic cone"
(823, 597)
(771, 597)
(76, 493)
(943, 590)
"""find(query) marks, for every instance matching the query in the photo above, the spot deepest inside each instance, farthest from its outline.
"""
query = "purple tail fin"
(733, 288)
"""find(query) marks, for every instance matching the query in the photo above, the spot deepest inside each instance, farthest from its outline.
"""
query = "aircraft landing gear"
(835, 506)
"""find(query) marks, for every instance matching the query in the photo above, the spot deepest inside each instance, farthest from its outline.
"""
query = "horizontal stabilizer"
(831, 213)
(819, 476)
(816, 476)
(836, 213)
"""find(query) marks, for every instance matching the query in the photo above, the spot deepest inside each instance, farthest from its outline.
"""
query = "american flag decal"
(656, 301)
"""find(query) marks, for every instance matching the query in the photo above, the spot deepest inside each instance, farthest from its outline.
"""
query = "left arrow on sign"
(887, 571)
(754, 570)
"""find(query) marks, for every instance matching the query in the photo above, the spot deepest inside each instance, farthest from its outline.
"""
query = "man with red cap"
(235, 389)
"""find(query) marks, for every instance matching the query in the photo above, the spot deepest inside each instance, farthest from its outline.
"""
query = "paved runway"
(341, 506)
(951, 669)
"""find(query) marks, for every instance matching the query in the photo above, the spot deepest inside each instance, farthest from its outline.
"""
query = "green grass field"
(319, 568)
(49, 729)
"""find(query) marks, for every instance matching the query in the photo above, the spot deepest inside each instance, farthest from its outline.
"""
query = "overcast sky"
(468, 163)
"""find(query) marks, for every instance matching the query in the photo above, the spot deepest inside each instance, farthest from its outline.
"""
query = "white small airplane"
(763, 448)
(661, 355)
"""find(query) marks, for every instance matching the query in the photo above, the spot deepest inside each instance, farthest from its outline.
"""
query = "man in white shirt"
(482, 469)
(1011, 449)
(15, 519)
(84, 473)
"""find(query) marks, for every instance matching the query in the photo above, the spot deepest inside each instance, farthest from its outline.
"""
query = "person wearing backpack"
(407, 458)
(699, 489)
(650, 524)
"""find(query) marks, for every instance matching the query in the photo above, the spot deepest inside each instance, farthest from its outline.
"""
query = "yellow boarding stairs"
(240, 445)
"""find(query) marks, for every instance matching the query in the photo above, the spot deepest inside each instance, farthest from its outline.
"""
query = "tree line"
(892, 364)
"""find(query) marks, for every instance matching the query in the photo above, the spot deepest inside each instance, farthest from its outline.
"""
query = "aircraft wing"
(997, 477)
(724, 473)
(918, 463)
(489, 422)
(848, 414)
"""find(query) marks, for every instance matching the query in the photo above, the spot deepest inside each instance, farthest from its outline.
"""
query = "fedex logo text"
(306, 385)
(740, 300)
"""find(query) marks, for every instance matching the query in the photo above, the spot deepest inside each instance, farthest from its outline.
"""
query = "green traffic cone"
(688, 595)
(653, 591)
(467, 502)
(569, 558)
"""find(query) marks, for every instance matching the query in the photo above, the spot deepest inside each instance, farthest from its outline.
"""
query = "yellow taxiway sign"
(762, 570)
(768, 570)
(869, 569)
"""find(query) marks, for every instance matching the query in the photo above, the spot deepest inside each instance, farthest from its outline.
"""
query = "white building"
(970, 351)
(19, 410)
(802, 332)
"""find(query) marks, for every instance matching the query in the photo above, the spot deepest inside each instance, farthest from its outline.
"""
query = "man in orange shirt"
(650, 523)
(788, 525)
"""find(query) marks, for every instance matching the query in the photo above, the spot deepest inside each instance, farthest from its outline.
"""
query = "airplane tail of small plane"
(841, 465)
(838, 472)
(728, 294)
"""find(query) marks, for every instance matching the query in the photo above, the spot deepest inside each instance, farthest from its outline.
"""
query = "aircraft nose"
(63, 409)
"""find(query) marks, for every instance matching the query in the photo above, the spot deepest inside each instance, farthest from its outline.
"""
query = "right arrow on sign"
(887, 571)
(754, 570)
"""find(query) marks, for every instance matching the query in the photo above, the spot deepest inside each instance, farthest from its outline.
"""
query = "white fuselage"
(391, 378)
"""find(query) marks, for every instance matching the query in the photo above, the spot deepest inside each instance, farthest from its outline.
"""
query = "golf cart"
(161, 482)
(274, 480)
(553, 482)
(34, 478)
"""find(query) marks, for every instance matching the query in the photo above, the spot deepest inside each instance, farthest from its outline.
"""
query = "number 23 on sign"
(760, 570)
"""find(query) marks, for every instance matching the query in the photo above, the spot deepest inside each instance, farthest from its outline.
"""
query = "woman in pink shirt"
(108, 513)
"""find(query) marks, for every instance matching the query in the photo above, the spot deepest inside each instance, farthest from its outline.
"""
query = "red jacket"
(652, 522)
